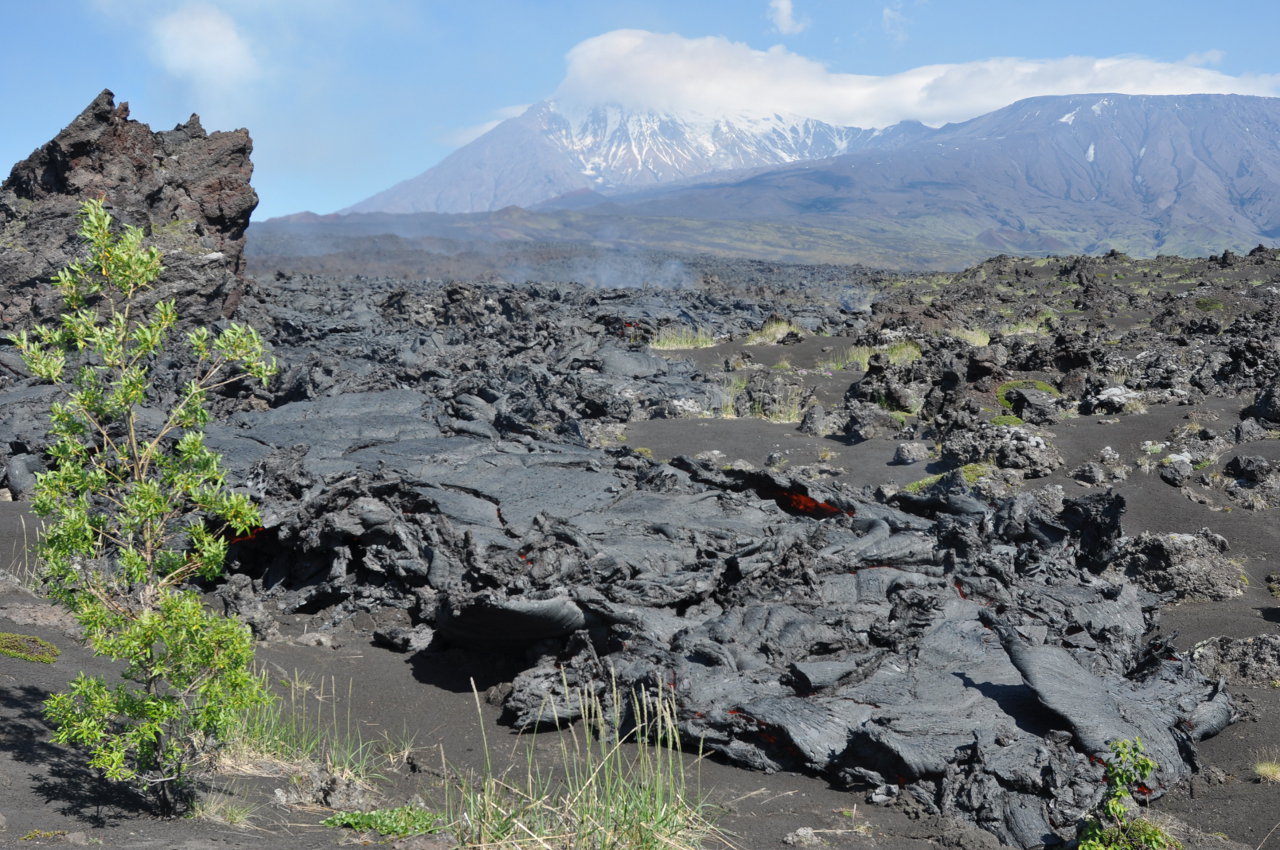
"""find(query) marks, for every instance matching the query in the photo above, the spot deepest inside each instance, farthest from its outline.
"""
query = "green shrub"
(1115, 828)
(28, 648)
(135, 511)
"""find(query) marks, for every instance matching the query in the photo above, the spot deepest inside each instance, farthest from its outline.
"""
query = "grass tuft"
(677, 337)
(607, 791)
(24, 566)
(771, 332)
(974, 336)
(858, 356)
(286, 734)
(855, 357)
(733, 385)
(222, 808)
(1267, 771)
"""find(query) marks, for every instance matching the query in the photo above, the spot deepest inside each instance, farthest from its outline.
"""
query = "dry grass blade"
(605, 790)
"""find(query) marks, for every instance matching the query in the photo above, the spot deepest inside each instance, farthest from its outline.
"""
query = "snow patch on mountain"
(605, 148)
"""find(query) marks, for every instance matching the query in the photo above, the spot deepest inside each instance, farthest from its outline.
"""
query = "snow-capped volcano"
(615, 148)
(552, 150)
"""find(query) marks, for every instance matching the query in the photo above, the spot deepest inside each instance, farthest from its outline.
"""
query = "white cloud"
(203, 47)
(1206, 57)
(714, 76)
(784, 18)
(894, 22)
(458, 138)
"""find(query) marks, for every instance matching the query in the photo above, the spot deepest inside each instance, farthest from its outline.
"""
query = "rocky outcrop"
(1006, 446)
(1182, 566)
(187, 188)
(1241, 661)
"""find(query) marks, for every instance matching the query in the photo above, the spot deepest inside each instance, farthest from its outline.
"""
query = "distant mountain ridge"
(550, 151)
(1142, 174)
(1145, 174)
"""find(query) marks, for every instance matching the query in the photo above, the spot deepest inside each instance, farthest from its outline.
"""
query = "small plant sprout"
(1114, 827)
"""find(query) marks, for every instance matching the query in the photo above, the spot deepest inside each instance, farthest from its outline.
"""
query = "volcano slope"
(884, 545)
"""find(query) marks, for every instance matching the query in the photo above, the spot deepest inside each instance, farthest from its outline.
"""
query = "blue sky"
(345, 98)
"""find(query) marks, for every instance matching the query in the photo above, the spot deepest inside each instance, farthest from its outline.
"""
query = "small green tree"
(1116, 828)
(138, 506)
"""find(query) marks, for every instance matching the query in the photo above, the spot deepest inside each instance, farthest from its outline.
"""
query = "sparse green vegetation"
(903, 352)
(902, 416)
(786, 408)
(43, 834)
(304, 727)
(733, 385)
(24, 566)
(971, 472)
(854, 357)
(1210, 305)
(1002, 392)
(394, 823)
(857, 356)
(677, 337)
(1115, 828)
(1037, 324)
(222, 808)
(1007, 419)
(28, 648)
(772, 331)
(1267, 770)
(611, 796)
(604, 791)
(974, 336)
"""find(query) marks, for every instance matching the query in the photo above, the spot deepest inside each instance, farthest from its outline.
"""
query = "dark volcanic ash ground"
(440, 462)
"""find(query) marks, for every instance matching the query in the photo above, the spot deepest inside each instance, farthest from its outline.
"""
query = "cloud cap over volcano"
(711, 76)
